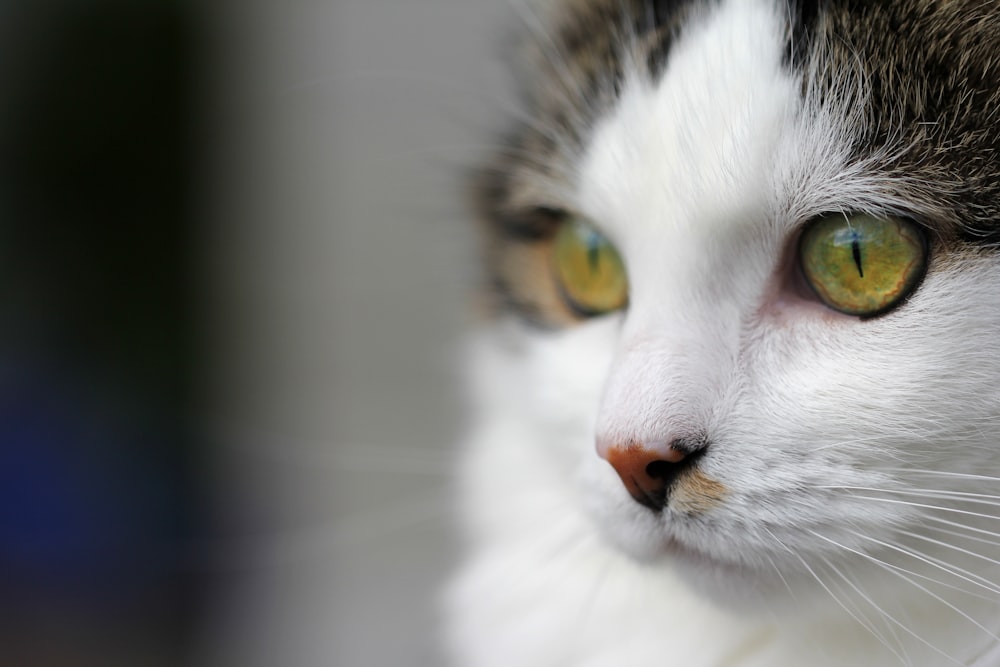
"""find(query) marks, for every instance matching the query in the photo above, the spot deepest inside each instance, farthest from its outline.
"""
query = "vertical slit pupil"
(593, 252)
(856, 252)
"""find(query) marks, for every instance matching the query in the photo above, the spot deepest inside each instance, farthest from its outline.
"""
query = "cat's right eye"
(860, 264)
(588, 269)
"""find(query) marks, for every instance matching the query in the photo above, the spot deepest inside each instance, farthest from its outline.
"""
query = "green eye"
(862, 265)
(589, 270)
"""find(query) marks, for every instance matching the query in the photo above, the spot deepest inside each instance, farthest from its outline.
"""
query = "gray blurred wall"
(343, 262)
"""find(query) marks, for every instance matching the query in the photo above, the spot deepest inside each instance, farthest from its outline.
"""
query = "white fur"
(701, 180)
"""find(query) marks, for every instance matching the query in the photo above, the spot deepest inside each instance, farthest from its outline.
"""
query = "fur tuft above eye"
(862, 265)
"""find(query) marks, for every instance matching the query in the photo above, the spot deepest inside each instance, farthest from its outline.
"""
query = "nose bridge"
(689, 278)
(666, 379)
(655, 391)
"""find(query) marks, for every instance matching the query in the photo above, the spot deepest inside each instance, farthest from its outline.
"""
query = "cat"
(737, 402)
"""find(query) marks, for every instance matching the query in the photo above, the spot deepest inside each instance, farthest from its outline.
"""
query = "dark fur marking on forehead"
(932, 74)
(803, 16)
(579, 70)
(665, 10)
(668, 18)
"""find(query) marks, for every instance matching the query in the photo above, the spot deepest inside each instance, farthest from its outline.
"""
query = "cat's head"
(751, 246)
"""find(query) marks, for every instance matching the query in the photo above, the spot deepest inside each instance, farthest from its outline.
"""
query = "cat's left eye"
(588, 269)
(860, 264)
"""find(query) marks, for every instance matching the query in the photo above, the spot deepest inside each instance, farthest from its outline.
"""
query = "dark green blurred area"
(101, 170)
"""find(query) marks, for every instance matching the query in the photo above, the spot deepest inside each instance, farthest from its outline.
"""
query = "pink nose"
(648, 472)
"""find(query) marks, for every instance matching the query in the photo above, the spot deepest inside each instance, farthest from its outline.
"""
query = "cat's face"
(795, 418)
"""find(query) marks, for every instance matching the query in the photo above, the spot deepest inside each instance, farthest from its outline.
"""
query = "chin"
(729, 586)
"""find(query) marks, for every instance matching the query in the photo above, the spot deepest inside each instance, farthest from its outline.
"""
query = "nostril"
(683, 452)
(665, 472)
(663, 469)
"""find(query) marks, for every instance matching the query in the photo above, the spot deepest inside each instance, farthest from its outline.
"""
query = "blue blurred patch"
(86, 507)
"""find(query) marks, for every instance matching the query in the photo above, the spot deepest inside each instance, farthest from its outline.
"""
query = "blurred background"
(234, 271)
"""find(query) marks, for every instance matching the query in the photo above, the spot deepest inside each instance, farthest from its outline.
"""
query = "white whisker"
(781, 575)
(949, 545)
(964, 536)
(870, 626)
(854, 441)
(916, 491)
(944, 473)
(949, 569)
(943, 566)
(930, 507)
(825, 587)
(894, 570)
